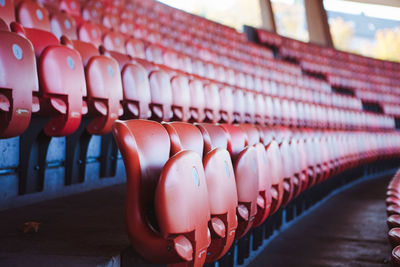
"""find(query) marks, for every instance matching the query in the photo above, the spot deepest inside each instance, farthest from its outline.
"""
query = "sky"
(377, 11)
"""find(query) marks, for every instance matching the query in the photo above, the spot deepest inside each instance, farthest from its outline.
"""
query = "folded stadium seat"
(197, 100)
(394, 237)
(110, 21)
(227, 104)
(290, 184)
(136, 86)
(92, 11)
(17, 60)
(396, 256)
(61, 88)
(249, 107)
(180, 97)
(299, 176)
(63, 24)
(114, 41)
(73, 8)
(60, 72)
(7, 13)
(393, 209)
(246, 173)
(277, 111)
(275, 168)
(220, 181)
(167, 216)
(264, 198)
(260, 110)
(104, 87)
(90, 33)
(154, 53)
(212, 103)
(135, 48)
(161, 95)
(239, 105)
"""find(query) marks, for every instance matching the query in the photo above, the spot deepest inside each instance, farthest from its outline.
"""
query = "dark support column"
(317, 22)
(267, 15)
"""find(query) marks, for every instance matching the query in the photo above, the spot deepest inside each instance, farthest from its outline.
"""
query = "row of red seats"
(186, 97)
(371, 79)
(194, 189)
(393, 220)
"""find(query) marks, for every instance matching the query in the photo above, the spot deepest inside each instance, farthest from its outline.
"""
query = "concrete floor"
(347, 230)
(81, 230)
(88, 230)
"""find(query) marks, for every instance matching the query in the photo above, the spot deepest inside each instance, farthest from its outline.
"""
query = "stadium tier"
(214, 133)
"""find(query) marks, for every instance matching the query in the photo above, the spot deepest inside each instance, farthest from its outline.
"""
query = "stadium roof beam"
(267, 16)
(317, 22)
(392, 3)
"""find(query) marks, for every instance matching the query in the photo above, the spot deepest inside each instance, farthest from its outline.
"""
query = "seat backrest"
(104, 91)
(158, 198)
(197, 100)
(90, 33)
(212, 103)
(227, 104)
(63, 24)
(246, 174)
(7, 13)
(220, 180)
(19, 81)
(71, 7)
(62, 83)
(136, 88)
(135, 48)
(239, 105)
(180, 97)
(114, 41)
(184, 136)
(33, 15)
(161, 95)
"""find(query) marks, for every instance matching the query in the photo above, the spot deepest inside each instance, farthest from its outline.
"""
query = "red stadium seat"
(19, 83)
(7, 13)
(220, 183)
(246, 172)
(155, 184)
(61, 76)
(63, 24)
(104, 87)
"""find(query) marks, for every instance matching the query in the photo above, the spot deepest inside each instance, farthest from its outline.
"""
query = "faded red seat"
(19, 83)
(90, 33)
(394, 237)
(393, 221)
(136, 87)
(227, 104)
(7, 13)
(197, 100)
(114, 41)
(264, 197)
(104, 87)
(167, 216)
(396, 256)
(180, 97)
(393, 209)
(246, 173)
(212, 103)
(161, 95)
(61, 76)
(220, 180)
(63, 24)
